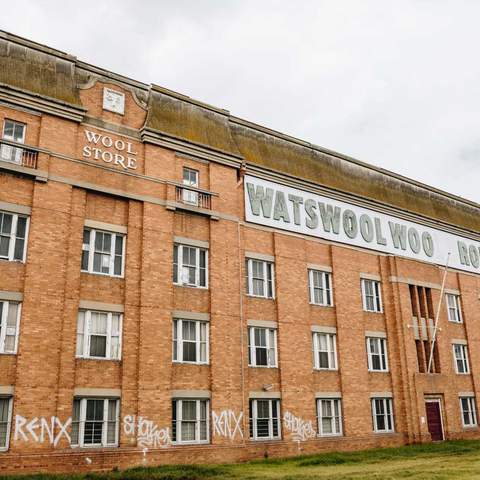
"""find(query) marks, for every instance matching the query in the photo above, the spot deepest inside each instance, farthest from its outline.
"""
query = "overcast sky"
(392, 83)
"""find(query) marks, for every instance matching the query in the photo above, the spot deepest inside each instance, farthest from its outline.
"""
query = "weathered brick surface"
(45, 372)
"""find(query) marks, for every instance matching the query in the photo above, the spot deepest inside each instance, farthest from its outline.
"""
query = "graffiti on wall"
(41, 429)
(227, 424)
(300, 429)
(147, 432)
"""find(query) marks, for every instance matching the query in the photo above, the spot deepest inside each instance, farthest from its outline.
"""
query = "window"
(190, 341)
(453, 308)
(99, 335)
(5, 421)
(259, 278)
(13, 235)
(190, 179)
(190, 266)
(190, 421)
(9, 323)
(14, 132)
(103, 252)
(262, 347)
(382, 413)
(265, 419)
(320, 288)
(95, 422)
(325, 351)
(460, 354)
(377, 354)
(329, 415)
(372, 301)
(469, 412)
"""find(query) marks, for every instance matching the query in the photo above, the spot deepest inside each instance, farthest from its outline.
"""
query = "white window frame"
(13, 237)
(178, 350)
(254, 417)
(331, 351)
(82, 420)
(335, 406)
(85, 347)
(377, 295)
(178, 427)
(381, 344)
(90, 248)
(189, 196)
(3, 326)
(15, 153)
(272, 360)
(9, 399)
(265, 278)
(179, 266)
(471, 411)
(463, 358)
(454, 311)
(326, 290)
(388, 412)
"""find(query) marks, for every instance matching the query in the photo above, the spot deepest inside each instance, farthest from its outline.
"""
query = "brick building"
(181, 285)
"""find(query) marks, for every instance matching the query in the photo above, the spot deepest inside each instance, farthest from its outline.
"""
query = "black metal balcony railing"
(23, 156)
(192, 196)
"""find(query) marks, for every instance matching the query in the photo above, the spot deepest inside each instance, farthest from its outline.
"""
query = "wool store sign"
(279, 206)
(104, 148)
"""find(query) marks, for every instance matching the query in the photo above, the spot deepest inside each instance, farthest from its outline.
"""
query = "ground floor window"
(469, 411)
(190, 421)
(5, 419)
(95, 422)
(382, 413)
(329, 415)
(264, 419)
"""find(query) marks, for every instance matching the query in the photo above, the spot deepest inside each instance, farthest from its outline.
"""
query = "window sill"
(391, 432)
(320, 305)
(11, 260)
(102, 359)
(263, 366)
(319, 369)
(455, 322)
(8, 353)
(258, 296)
(330, 435)
(186, 285)
(92, 447)
(103, 274)
(200, 364)
(275, 439)
(470, 427)
(378, 371)
(189, 444)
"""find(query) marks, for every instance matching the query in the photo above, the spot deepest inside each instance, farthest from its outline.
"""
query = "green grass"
(438, 461)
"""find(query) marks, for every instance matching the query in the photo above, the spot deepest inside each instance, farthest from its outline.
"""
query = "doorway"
(434, 419)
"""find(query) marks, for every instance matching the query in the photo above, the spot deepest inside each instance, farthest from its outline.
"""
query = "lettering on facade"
(41, 429)
(115, 152)
(274, 205)
(227, 424)
(147, 433)
(300, 429)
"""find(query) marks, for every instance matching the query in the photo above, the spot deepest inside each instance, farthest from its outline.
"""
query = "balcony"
(23, 156)
(190, 199)
(193, 197)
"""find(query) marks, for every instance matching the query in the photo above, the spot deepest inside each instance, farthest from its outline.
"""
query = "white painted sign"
(113, 101)
(274, 205)
(116, 152)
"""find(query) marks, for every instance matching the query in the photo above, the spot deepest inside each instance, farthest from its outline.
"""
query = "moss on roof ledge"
(52, 74)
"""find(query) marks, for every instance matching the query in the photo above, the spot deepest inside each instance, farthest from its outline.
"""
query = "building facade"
(181, 285)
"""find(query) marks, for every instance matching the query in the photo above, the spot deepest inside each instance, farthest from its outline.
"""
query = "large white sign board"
(279, 206)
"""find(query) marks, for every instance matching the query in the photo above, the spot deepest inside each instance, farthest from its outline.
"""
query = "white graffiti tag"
(41, 429)
(148, 433)
(301, 430)
(227, 424)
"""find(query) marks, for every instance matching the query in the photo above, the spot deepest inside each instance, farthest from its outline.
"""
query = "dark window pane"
(84, 260)
(119, 245)
(189, 352)
(18, 250)
(117, 265)
(4, 246)
(261, 356)
(98, 346)
(86, 237)
(21, 227)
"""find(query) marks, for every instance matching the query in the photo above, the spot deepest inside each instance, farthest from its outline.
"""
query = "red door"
(434, 420)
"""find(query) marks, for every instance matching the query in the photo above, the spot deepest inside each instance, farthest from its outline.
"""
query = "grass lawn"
(447, 460)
